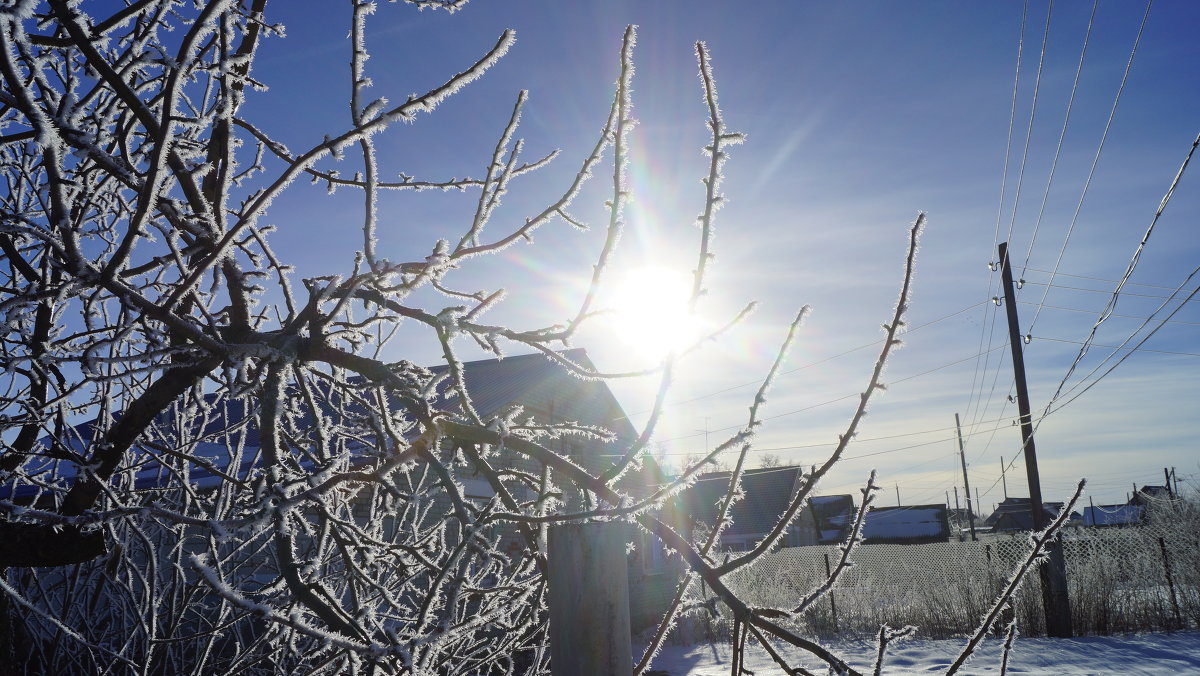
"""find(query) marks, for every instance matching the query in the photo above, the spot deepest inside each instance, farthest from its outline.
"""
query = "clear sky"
(857, 115)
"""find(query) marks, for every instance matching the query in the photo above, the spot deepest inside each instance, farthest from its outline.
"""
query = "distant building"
(1149, 494)
(1114, 515)
(830, 517)
(907, 525)
(766, 495)
(1014, 514)
(1134, 512)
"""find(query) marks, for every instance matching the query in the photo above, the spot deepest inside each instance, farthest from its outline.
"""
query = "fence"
(1144, 578)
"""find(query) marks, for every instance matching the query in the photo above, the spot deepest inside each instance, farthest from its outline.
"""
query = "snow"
(1177, 653)
(907, 522)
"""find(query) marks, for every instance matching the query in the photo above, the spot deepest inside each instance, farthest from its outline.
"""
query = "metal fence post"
(588, 575)
(1162, 545)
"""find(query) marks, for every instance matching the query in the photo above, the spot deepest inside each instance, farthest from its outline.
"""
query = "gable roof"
(913, 524)
(1017, 516)
(1020, 507)
(767, 493)
(493, 384)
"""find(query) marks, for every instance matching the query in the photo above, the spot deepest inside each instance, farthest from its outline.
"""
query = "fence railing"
(1143, 578)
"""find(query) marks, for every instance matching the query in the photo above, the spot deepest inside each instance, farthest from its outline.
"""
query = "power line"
(1117, 347)
(1061, 136)
(831, 401)
(1081, 288)
(987, 328)
(1100, 279)
(1119, 361)
(1115, 316)
(1110, 306)
(1037, 86)
(1095, 160)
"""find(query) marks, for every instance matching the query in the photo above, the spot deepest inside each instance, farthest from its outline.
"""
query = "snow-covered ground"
(1138, 654)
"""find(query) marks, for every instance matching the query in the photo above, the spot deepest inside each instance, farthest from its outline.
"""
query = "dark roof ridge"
(571, 353)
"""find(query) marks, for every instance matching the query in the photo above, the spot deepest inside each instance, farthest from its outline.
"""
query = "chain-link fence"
(1142, 578)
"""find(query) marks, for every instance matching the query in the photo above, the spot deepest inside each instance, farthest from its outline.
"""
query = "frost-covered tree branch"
(215, 461)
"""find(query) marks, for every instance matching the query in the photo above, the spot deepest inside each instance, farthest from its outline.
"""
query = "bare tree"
(306, 513)
(767, 460)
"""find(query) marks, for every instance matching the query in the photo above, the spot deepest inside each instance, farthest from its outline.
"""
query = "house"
(217, 443)
(906, 525)
(830, 516)
(1138, 510)
(1014, 514)
(1147, 495)
(222, 438)
(546, 392)
(1114, 515)
(766, 494)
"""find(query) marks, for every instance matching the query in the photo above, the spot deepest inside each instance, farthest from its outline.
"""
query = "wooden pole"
(1004, 477)
(588, 591)
(966, 482)
(832, 602)
(1055, 601)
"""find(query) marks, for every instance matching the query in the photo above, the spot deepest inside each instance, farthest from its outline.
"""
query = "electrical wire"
(1037, 86)
(1061, 137)
(1110, 306)
(1101, 279)
(1116, 347)
(1114, 316)
(1095, 160)
(1081, 288)
(1119, 361)
(987, 327)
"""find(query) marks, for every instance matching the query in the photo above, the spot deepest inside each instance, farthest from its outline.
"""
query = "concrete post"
(588, 574)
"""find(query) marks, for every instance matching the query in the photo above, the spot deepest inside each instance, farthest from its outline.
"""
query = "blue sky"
(857, 116)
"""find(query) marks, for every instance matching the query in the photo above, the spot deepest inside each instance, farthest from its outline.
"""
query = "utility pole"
(1055, 601)
(966, 482)
(957, 512)
(897, 494)
(1004, 477)
(1167, 478)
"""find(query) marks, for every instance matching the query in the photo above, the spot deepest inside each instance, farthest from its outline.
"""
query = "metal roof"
(766, 492)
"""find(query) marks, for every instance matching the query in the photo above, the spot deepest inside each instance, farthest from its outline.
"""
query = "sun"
(650, 310)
